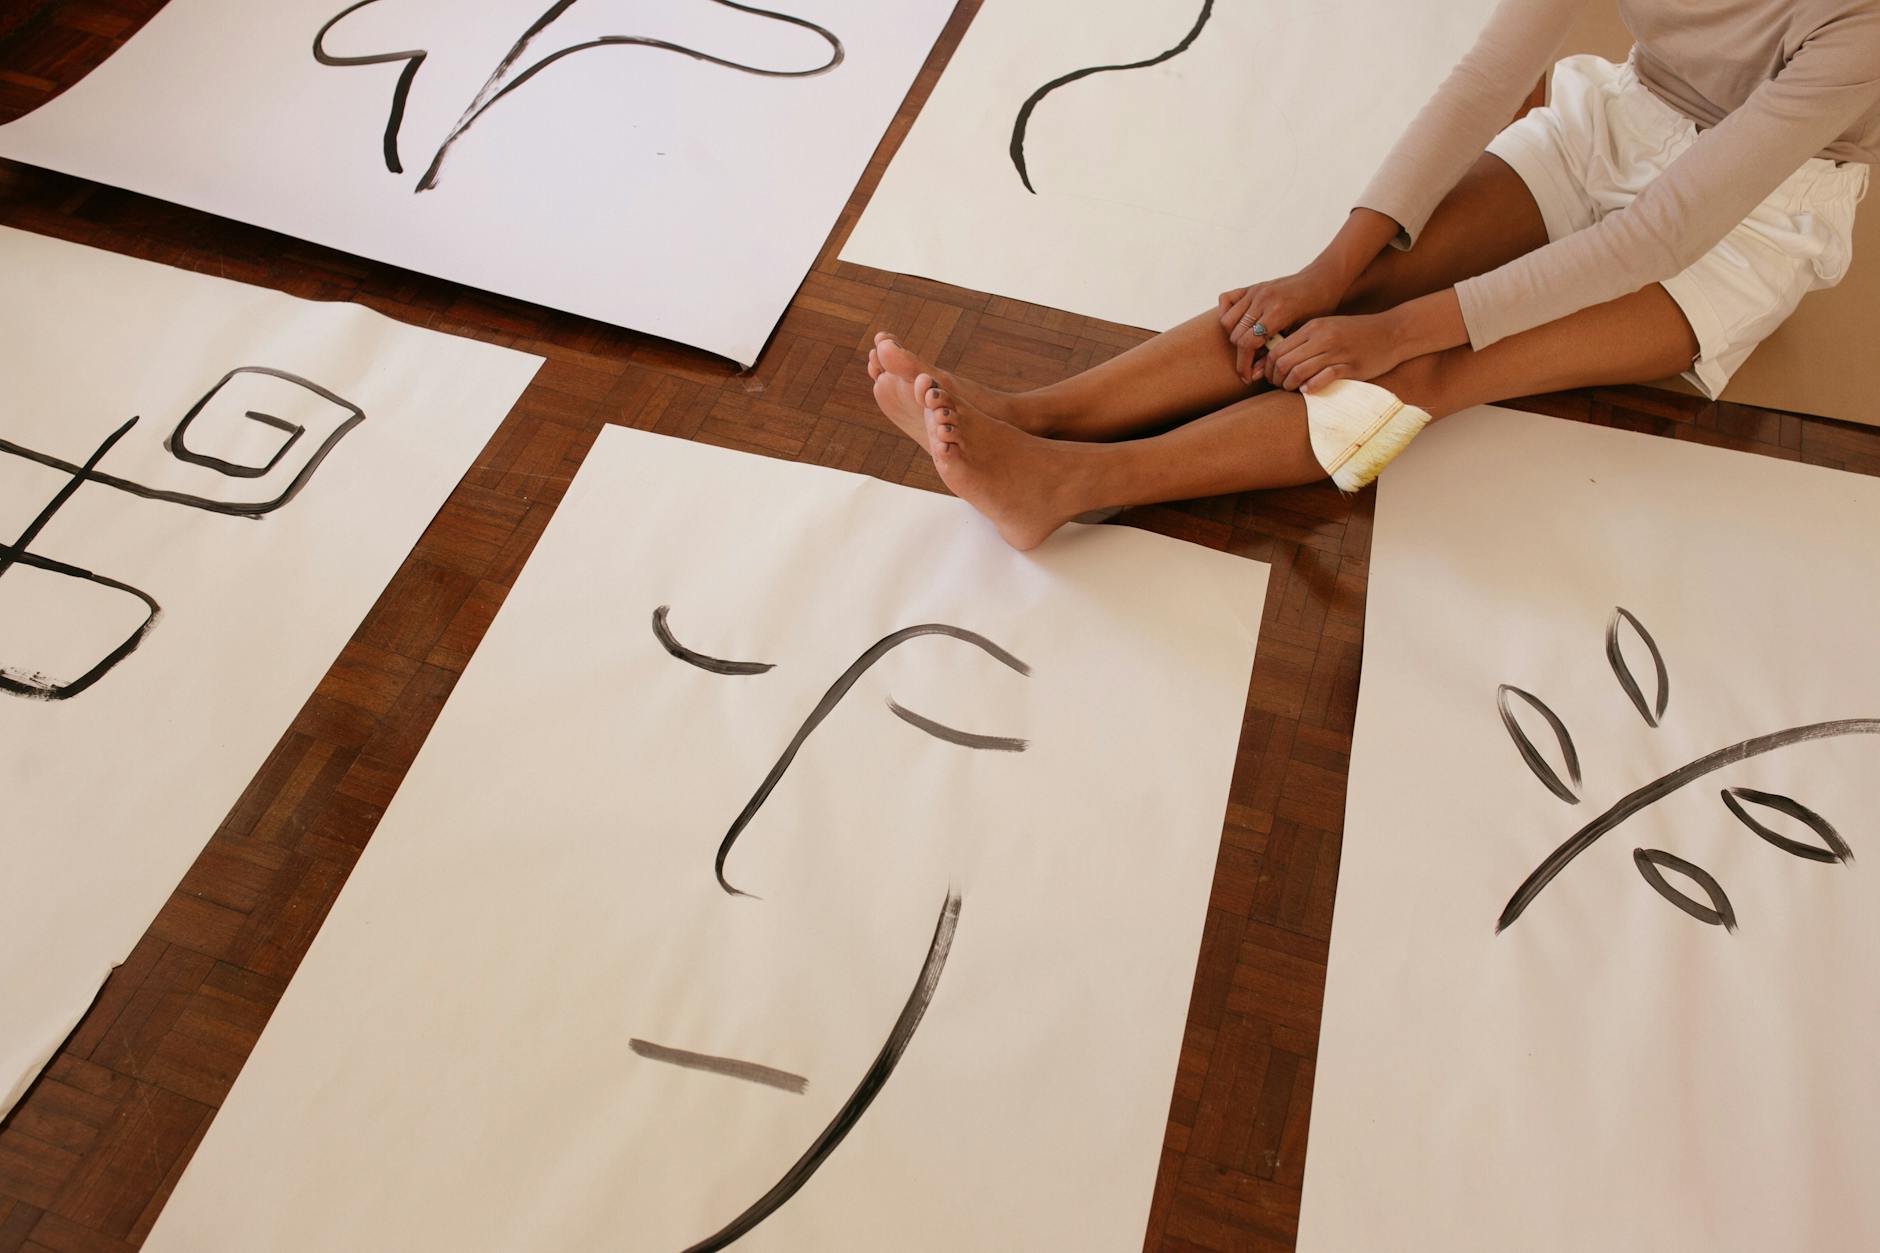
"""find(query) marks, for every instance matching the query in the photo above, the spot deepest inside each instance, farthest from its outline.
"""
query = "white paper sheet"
(1154, 189)
(1608, 1071)
(641, 185)
(454, 1063)
(117, 765)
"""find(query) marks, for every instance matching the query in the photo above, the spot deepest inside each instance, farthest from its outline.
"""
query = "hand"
(1359, 347)
(1276, 305)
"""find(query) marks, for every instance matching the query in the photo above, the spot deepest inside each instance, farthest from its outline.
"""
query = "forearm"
(1365, 234)
(1428, 324)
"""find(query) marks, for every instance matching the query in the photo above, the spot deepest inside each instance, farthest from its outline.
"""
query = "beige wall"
(1825, 359)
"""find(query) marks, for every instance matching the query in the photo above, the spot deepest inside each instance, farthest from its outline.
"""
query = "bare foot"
(1025, 485)
(893, 356)
(895, 397)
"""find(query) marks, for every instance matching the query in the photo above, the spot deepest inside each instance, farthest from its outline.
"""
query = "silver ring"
(1259, 328)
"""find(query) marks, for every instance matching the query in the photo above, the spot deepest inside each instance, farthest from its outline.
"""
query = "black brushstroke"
(1031, 102)
(1717, 913)
(1662, 787)
(729, 1067)
(251, 509)
(713, 664)
(865, 1092)
(965, 739)
(1624, 672)
(413, 58)
(832, 698)
(23, 684)
(1531, 755)
(1832, 849)
(491, 94)
(33, 685)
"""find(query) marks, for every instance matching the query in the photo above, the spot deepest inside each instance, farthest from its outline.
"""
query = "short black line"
(1531, 755)
(730, 1067)
(1717, 913)
(79, 475)
(413, 58)
(827, 704)
(486, 100)
(1662, 787)
(665, 637)
(1031, 102)
(865, 1092)
(965, 739)
(1624, 672)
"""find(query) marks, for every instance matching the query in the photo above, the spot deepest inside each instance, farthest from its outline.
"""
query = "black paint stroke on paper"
(826, 706)
(1031, 102)
(1662, 787)
(413, 58)
(36, 686)
(495, 89)
(1532, 755)
(730, 1067)
(1717, 913)
(865, 1092)
(713, 664)
(243, 509)
(965, 739)
(1832, 848)
(1655, 709)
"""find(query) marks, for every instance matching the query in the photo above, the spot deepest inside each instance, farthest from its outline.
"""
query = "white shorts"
(1603, 136)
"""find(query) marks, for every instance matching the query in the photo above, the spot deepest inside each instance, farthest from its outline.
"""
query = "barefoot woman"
(1660, 216)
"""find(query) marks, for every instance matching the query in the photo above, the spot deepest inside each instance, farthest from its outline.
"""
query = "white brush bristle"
(1352, 436)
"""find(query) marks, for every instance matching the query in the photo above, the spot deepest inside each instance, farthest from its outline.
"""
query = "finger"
(1303, 370)
(1238, 310)
(1331, 374)
(1230, 297)
(1243, 357)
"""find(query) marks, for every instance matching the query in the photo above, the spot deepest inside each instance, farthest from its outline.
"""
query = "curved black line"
(965, 739)
(1624, 672)
(713, 664)
(1031, 102)
(413, 58)
(1836, 849)
(486, 100)
(254, 509)
(827, 704)
(1531, 755)
(1662, 787)
(15, 554)
(865, 1092)
(1717, 913)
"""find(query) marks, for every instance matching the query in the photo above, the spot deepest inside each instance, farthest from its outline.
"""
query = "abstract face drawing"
(1652, 863)
(517, 68)
(258, 426)
(928, 979)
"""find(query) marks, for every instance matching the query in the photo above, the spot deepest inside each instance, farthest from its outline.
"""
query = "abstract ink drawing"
(1714, 906)
(221, 412)
(502, 83)
(926, 982)
(1023, 121)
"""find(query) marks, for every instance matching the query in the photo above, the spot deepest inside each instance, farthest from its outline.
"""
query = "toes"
(924, 387)
(895, 358)
(944, 428)
(874, 365)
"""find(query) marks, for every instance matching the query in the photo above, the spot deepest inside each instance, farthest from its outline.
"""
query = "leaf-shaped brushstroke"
(1655, 709)
(1718, 913)
(1832, 847)
(413, 59)
(1536, 762)
(1032, 101)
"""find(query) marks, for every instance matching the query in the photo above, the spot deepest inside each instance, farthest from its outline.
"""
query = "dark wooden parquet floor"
(89, 1156)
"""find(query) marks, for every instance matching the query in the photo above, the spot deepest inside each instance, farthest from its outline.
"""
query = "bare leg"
(1488, 219)
(1029, 486)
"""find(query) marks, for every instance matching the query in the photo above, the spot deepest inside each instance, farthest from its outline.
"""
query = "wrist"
(1428, 324)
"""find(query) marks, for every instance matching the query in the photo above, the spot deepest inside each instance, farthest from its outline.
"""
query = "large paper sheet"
(1139, 194)
(1670, 1041)
(946, 1009)
(673, 168)
(203, 488)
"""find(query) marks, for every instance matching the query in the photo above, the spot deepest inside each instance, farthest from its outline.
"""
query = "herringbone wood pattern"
(87, 1159)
